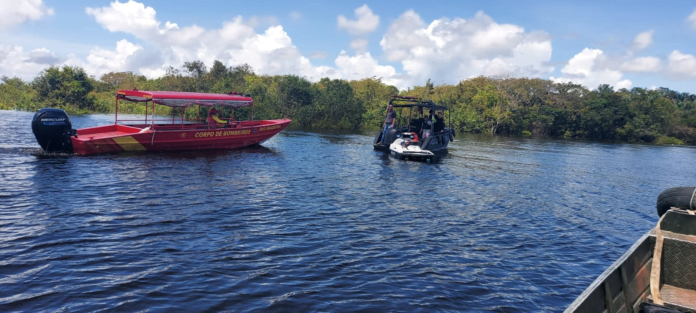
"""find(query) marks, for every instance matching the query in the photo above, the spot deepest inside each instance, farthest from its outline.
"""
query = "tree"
(374, 95)
(117, 80)
(335, 106)
(67, 87)
(294, 92)
(219, 71)
(605, 113)
(197, 70)
(16, 94)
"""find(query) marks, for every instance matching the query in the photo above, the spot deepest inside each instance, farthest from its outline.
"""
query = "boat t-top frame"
(414, 102)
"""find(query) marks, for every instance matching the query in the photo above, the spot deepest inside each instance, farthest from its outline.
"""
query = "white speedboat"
(408, 147)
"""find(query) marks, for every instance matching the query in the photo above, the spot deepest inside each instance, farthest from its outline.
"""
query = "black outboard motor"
(392, 134)
(53, 129)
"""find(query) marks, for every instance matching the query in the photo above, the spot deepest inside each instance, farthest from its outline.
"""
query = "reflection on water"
(319, 221)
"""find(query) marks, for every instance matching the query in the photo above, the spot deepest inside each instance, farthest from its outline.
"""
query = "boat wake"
(24, 150)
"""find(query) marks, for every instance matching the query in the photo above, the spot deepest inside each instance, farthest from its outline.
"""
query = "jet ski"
(408, 147)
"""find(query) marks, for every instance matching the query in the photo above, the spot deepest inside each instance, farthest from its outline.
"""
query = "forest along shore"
(494, 105)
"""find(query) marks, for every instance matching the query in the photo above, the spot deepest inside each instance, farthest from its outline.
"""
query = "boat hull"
(625, 285)
(120, 138)
(436, 141)
(409, 152)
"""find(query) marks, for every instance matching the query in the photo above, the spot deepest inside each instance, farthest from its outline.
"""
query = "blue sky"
(622, 43)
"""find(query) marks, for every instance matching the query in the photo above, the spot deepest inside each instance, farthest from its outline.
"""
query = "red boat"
(53, 130)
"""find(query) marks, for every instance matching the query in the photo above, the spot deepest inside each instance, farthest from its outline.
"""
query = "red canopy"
(184, 99)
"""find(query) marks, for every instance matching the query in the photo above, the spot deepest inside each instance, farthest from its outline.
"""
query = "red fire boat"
(54, 132)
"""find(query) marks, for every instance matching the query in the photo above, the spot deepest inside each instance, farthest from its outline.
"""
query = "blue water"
(316, 221)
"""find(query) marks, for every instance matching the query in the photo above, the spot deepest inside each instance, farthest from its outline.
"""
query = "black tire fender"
(678, 197)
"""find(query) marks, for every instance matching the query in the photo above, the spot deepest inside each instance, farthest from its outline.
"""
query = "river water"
(315, 221)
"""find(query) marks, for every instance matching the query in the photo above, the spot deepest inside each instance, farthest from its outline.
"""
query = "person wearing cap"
(388, 121)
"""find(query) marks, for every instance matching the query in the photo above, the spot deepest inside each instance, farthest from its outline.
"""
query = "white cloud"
(363, 65)
(130, 17)
(643, 64)
(581, 70)
(15, 12)
(643, 40)
(681, 66)
(295, 15)
(366, 21)
(236, 42)
(126, 56)
(451, 50)
(692, 19)
(101, 61)
(359, 44)
(42, 56)
(318, 55)
(14, 62)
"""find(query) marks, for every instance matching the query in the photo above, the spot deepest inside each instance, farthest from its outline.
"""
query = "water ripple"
(321, 222)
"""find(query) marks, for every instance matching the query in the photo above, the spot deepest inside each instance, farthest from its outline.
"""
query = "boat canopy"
(185, 99)
(405, 102)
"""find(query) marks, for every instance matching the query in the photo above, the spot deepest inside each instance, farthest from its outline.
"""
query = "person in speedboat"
(427, 122)
(408, 139)
(439, 122)
(388, 122)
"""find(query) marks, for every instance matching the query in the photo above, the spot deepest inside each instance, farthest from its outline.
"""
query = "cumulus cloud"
(15, 12)
(681, 66)
(363, 65)
(643, 64)
(318, 55)
(444, 50)
(692, 19)
(126, 56)
(451, 50)
(365, 22)
(581, 70)
(42, 56)
(130, 17)
(295, 15)
(359, 44)
(101, 61)
(643, 40)
(236, 42)
(15, 62)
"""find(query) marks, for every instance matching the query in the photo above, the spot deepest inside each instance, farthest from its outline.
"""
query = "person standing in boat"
(439, 122)
(427, 125)
(388, 121)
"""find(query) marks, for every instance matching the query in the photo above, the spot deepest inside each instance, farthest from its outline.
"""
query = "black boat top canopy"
(406, 102)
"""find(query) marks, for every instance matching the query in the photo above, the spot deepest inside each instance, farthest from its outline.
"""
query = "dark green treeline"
(501, 105)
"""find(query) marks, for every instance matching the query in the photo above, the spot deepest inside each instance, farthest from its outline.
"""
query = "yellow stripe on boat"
(128, 143)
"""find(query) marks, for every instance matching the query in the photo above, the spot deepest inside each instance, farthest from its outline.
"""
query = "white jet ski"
(407, 147)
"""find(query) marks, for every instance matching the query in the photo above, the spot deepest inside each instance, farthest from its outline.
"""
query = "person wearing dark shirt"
(439, 122)
(388, 122)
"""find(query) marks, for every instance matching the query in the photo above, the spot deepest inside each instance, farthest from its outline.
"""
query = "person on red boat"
(213, 119)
